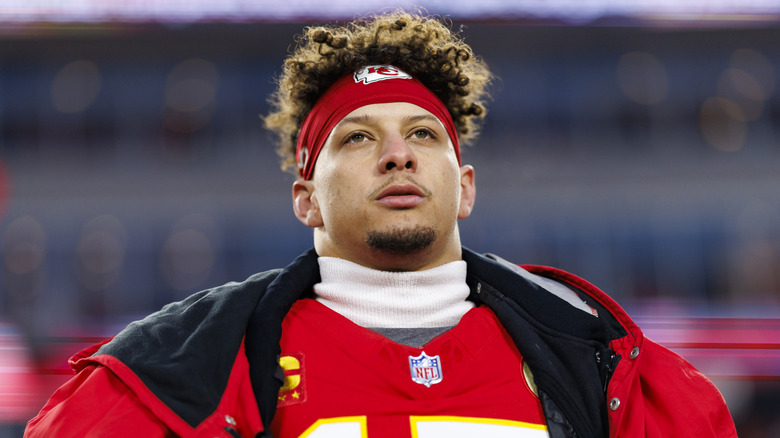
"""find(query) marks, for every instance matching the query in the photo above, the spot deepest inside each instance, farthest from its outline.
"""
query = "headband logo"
(376, 73)
(303, 159)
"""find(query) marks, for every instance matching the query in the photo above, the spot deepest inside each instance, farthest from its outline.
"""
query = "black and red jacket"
(208, 365)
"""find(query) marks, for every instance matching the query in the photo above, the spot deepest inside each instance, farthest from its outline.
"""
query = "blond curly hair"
(423, 46)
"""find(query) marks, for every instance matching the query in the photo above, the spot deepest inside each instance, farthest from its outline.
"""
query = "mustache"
(406, 179)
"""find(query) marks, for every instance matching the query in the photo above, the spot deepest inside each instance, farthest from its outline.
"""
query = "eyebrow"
(365, 118)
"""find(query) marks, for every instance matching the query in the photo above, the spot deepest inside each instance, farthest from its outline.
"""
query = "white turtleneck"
(434, 298)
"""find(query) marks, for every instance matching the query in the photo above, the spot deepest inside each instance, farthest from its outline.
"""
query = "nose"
(396, 155)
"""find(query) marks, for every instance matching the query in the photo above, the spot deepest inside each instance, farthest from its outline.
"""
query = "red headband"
(368, 85)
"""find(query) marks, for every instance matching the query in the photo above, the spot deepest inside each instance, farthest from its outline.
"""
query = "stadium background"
(635, 145)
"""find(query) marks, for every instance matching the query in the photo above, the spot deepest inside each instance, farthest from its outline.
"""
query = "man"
(388, 327)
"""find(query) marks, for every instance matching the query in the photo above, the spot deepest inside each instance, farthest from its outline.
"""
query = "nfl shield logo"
(426, 370)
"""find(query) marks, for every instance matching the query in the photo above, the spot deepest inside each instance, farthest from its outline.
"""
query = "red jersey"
(343, 380)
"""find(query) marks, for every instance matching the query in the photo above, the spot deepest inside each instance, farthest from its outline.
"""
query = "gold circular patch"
(529, 379)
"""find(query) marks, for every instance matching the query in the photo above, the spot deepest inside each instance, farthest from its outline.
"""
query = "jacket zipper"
(607, 363)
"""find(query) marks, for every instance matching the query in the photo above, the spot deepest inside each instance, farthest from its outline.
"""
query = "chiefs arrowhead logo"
(375, 73)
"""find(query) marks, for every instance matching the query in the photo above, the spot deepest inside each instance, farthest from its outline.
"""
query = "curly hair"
(423, 46)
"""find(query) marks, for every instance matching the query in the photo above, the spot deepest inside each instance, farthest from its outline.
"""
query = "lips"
(401, 196)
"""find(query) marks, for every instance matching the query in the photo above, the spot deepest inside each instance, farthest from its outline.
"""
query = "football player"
(388, 327)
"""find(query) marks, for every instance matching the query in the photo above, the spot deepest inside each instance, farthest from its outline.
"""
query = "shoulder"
(660, 393)
(196, 314)
(552, 297)
(656, 392)
(663, 394)
(91, 404)
(235, 293)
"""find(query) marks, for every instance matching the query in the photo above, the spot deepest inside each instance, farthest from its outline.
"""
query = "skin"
(386, 168)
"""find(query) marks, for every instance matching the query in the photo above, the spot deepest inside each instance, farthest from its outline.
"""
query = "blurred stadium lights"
(621, 11)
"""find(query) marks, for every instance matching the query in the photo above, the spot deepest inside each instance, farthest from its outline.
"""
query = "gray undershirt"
(411, 337)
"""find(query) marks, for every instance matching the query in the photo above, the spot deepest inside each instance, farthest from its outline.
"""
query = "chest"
(344, 380)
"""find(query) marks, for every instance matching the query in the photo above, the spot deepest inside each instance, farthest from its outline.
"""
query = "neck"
(380, 299)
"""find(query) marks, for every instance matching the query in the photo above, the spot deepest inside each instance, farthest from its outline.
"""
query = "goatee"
(402, 240)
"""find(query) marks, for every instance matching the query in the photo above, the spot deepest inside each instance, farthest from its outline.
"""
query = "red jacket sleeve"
(662, 395)
(95, 403)
(106, 399)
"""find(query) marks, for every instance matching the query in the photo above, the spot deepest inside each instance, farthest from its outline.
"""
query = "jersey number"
(430, 427)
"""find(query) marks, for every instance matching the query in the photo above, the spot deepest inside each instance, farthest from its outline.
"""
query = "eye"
(423, 134)
(356, 138)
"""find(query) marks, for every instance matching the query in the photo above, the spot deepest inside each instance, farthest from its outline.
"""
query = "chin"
(402, 241)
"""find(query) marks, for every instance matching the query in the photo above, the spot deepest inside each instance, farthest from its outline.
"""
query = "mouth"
(401, 196)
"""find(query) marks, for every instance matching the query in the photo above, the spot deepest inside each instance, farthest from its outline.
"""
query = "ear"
(468, 191)
(305, 205)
